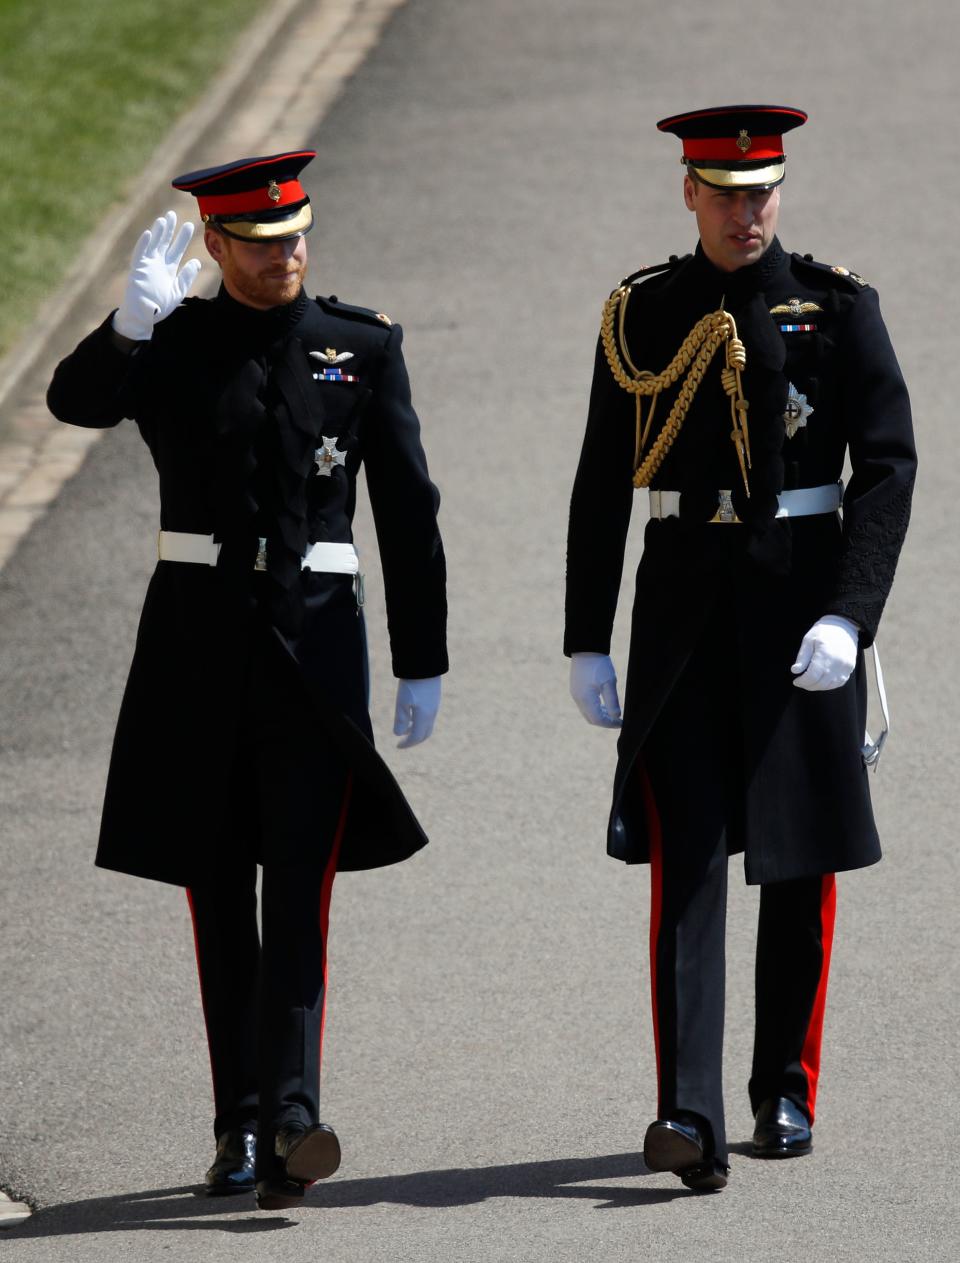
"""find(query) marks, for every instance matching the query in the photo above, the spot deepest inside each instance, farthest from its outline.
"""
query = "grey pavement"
(486, 179)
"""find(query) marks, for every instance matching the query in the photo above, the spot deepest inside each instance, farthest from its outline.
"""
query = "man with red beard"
(731, 384)
(244, 738)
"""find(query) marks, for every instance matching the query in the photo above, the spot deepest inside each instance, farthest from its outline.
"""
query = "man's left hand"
(828, 654)
(417, 704)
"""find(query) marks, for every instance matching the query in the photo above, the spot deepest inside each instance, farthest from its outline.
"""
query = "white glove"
(593, 686)
(828, 654)
(154, 287)
(417, 704)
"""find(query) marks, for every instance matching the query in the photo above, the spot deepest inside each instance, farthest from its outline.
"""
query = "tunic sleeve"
(405, 503)
(876, 506)
(599, 515)
(95, 386)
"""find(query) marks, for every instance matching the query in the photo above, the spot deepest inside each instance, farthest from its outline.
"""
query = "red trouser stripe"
(810, 1057)
(203, 998)
(656, 902)
(326, 891)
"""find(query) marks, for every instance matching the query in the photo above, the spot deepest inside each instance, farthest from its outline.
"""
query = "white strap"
(800, 502)
(871, 749)
(185, 546)
(201, 550)
(664, 504)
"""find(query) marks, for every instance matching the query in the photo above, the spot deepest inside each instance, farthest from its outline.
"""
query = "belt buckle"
(261, 562)
(725, 510)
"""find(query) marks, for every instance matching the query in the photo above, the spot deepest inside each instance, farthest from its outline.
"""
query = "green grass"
(88, 88)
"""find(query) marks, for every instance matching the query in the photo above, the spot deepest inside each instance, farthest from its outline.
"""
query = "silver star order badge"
(327, 456)
(797, 411)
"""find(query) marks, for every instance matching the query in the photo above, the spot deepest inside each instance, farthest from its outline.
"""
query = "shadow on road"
(187, 1208)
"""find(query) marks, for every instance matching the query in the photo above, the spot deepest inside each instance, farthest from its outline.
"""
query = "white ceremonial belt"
(808, 501)
(202, 550)
(182, 546)
(801, 502)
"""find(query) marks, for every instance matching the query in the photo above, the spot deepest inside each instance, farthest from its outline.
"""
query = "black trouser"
(264, 1001)
(693, 784)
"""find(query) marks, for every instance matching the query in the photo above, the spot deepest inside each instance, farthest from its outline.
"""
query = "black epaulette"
(336, 307)
(674, 261)
(852, 280)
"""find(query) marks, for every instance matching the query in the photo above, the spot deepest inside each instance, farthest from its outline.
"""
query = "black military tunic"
(821, 381)
(235, 405)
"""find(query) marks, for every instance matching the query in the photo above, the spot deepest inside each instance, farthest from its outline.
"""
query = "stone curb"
(289, 68)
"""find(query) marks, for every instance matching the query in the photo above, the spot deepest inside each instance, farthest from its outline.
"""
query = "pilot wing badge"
(331, 356)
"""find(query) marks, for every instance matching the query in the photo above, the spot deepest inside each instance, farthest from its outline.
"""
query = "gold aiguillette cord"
(693, 359)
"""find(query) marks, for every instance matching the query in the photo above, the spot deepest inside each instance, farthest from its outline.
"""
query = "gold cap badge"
(273, 191)
(743, 141)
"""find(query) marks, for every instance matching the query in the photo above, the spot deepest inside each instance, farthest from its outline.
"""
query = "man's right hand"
(156, 284)
(593, 686)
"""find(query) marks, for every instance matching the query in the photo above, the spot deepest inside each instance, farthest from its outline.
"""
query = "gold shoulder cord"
(696, 352)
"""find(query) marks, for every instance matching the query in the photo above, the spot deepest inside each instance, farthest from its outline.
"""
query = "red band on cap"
(253, 200)
(727, 149)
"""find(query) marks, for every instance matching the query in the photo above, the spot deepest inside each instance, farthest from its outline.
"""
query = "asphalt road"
(487, 179)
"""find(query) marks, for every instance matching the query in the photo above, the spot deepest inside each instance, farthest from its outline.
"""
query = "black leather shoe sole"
(706, 1177)
(279, 1194)
(670, 1147)
(315, 1156)
(781, 1147)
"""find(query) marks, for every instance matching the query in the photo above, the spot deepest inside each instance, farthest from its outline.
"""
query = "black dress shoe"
(671, 1145)
(306, 1154)
(782, 1130)
(232, 1170)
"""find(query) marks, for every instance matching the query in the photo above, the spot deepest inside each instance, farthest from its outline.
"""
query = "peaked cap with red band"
(255, 199)
(735, 146)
